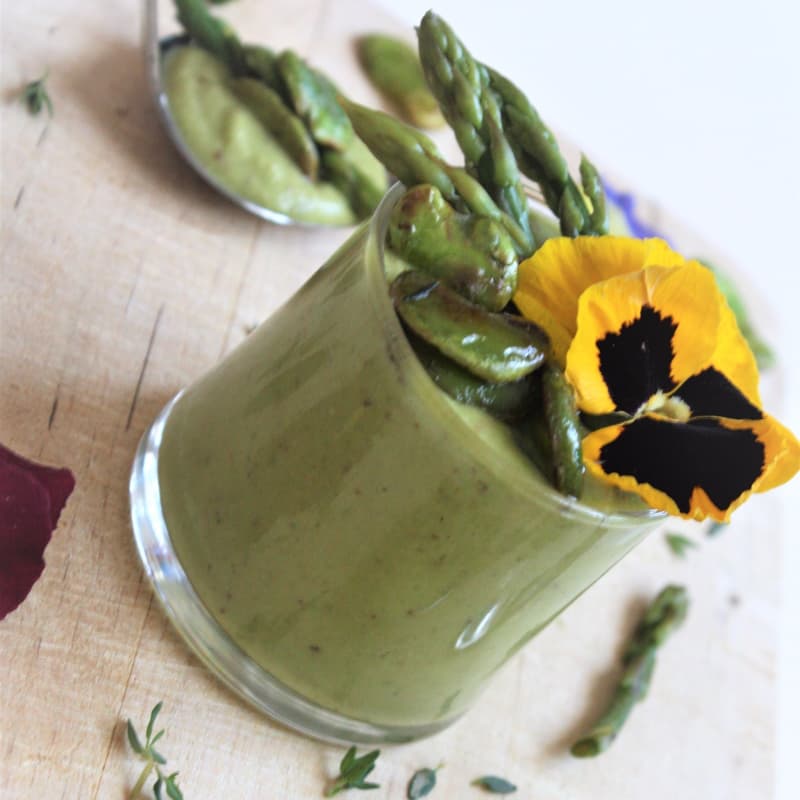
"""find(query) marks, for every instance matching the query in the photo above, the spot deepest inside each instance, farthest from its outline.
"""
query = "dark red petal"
(31, 499)
(57, 482)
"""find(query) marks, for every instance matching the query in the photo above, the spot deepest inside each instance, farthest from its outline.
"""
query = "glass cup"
(342, 543)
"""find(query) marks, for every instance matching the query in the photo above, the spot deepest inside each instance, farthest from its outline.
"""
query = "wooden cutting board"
(124, 278)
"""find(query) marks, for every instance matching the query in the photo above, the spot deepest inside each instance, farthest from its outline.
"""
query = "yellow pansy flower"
(646, 337)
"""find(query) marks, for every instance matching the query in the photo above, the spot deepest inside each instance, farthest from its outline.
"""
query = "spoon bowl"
(155, 50)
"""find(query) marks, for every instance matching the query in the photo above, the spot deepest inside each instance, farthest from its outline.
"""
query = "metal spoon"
(155, 50)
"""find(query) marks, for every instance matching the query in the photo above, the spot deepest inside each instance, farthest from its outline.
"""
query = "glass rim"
(442, 403)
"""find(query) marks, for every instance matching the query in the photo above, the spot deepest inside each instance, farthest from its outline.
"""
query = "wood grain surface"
(124, 278)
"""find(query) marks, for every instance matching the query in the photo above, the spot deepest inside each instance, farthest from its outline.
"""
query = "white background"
(696, 102)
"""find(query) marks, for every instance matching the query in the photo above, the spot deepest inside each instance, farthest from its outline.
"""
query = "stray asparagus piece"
(212, 34)
(461, 86)
(486, 344)
(394, 69)
(507, 401)
(563, 428)
(472, 254)
(665, 615)
(287, 128)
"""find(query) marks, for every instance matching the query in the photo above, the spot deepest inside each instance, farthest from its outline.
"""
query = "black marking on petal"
(677, 457)
(635, 362)
(710, 393)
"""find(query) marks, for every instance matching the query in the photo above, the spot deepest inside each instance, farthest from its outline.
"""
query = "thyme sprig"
(153, 760)
(353, 771)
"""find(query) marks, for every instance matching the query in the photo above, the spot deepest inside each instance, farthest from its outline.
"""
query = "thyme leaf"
(716, 528)
(495, 785)
(35, 96)
(353, 772)
(679, 544)
(422, 782)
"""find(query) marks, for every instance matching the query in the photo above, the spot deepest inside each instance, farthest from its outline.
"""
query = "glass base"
(201, 631)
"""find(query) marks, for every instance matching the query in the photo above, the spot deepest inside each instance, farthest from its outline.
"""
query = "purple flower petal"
(626, 203)
(31, 499)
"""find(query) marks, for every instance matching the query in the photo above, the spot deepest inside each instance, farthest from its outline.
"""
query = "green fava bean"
(488, 345)
(394, 68)
(287, 128)
(313, 97)
(261, 62)
(472, 254)
(507, 401)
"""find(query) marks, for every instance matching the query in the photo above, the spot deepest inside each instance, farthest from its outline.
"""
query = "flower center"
(668, 406)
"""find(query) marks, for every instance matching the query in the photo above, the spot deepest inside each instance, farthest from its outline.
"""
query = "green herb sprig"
(35, 96)
(153, 760)
(353, 771)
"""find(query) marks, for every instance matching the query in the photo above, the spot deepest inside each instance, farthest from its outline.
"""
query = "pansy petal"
(782, 450)
(622, 353)
(696, 469)
(710, 393)
(734, 357)
(553, 278)
(639, 334)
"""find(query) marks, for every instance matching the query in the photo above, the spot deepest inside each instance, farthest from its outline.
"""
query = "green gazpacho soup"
(374, 545)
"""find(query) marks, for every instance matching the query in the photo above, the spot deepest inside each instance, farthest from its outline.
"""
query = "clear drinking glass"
(342, 543)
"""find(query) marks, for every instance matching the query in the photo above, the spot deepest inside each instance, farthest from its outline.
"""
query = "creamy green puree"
(376, 546)
(230, 142)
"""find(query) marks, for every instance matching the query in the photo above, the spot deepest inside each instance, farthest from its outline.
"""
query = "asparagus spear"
(540, 159)
(413, 158)
(561, 420)
(665, 615)
(461, 86)
(393, 67)
(212, 34)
